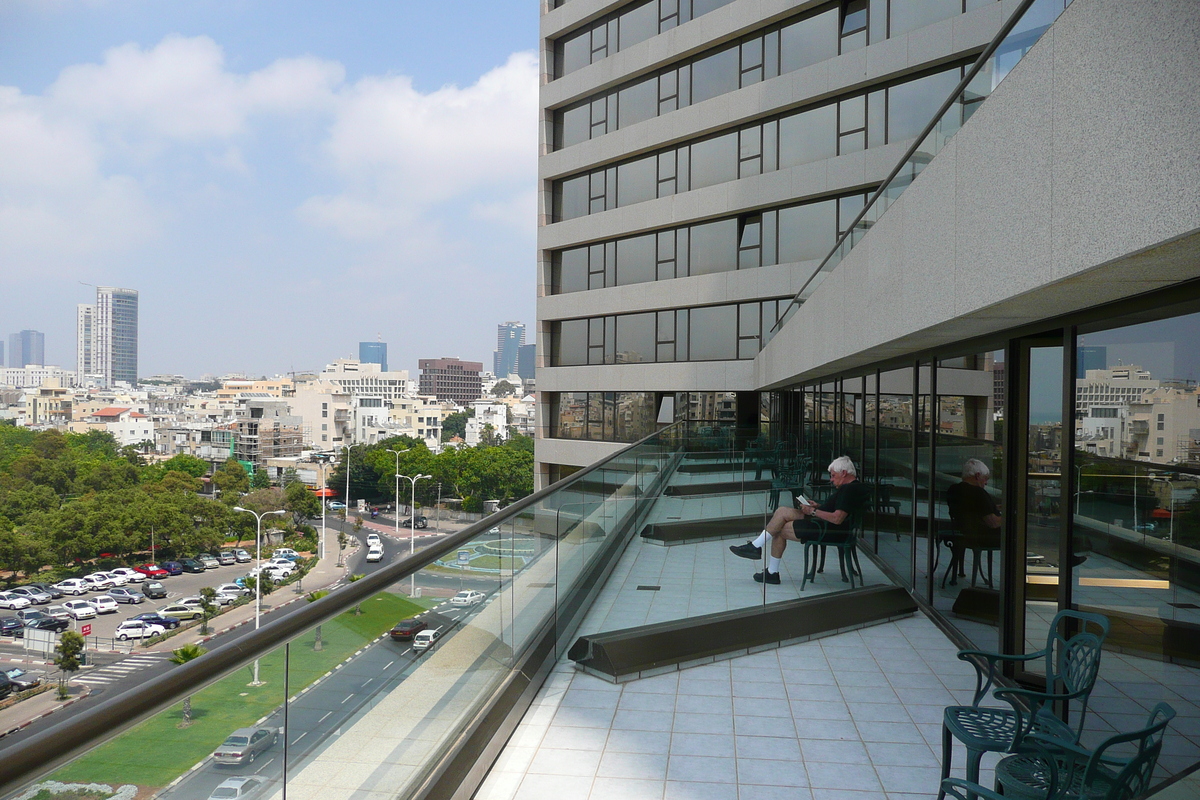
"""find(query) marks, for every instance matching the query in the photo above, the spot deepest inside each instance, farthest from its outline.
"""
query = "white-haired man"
(796, 524)
(974, 512)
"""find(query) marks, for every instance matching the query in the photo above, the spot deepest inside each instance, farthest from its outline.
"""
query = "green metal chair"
(1050, 768)
(847, 547)
(1071, 664)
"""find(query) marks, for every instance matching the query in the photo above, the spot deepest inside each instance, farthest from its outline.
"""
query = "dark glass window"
(638, 102)
(571, 346)
(636, 182)
(638, 24)
(572, 197)
(635, 338)
(808, 41)
(808, 137)
(715, 75)
(713, 333)
(714, 161)
(807, 232)
(911, 105)
(713, 247)
(636, 261)
(913, 14)
(572, 270)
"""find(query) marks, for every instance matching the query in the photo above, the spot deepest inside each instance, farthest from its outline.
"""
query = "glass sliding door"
(894, 505)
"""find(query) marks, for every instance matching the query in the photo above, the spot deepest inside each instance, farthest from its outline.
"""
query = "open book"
(804, 501)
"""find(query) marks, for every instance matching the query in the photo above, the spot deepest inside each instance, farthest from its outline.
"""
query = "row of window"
(856, 123)
(631, 416)
(785, 235)
(707, 333)
(625, 28)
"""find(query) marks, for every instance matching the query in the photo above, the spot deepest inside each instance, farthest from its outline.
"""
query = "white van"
(425, 639)
(375, 554)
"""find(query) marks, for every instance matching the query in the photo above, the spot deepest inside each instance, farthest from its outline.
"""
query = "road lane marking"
(264, 766)
(389, 664)
(322, 719)
(347, 698)
(298, 738)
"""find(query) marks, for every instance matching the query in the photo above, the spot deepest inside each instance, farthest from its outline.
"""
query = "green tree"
(260, 480)
(289, 477)
(208, 607)
(67, 658)
(313, 597)
(187, 464)
(503, 389)
(456, 424)
(488, 436)
(231, 480)
(301, 502)
(182, 655)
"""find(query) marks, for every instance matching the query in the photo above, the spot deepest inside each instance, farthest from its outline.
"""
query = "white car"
(75, 586)
(99, 581)
(58, 612)
(373, 538)
(80, 609)
(425, 639)
(238, 788)
(281, 552)
(117, 578)
(137, 629)
(14, 601)
(281, 563)
(232, 589)
(130, 575)
(375, 554)
(103, 604)
(467, 597)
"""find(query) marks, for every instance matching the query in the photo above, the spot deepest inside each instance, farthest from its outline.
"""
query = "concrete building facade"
(451, 379)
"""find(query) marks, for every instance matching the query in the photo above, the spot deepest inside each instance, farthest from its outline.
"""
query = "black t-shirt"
(969, 504)
(849, 497)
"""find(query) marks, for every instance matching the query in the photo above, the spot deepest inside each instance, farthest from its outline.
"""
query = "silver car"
(123, 595)
(244, 745)
(33, 595)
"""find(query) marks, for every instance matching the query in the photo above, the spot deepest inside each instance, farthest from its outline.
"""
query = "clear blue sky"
(279, 180)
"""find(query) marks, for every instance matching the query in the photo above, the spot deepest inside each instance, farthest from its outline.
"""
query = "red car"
(152, 571)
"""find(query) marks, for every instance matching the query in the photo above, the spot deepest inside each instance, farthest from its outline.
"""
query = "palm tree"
(182, 655)
(313, 597)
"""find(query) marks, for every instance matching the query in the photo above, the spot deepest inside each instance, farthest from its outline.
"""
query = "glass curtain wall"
(894, 505)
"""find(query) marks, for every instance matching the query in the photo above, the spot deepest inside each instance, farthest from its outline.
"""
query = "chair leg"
(842, 564)
(947, 750)
(804, 580)
(973, 759)
(821, 566)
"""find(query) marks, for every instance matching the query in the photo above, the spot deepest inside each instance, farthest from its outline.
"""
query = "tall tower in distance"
(509, 338)
(114, 336)
(27, 347)
(85, 323)
(373, 353)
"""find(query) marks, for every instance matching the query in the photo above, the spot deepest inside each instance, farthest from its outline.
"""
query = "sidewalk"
(325, 575)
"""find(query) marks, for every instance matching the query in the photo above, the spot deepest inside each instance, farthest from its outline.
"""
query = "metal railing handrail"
(979, 64)
(48, 749)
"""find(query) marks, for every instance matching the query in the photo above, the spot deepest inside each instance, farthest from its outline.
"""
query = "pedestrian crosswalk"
(122, 669)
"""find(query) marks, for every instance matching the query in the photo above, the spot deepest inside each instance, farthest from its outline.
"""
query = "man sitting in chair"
(975, 514)
(797, 524)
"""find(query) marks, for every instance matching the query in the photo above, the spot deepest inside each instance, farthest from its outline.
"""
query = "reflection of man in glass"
(974, 513)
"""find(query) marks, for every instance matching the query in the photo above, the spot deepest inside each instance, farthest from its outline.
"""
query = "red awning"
(325, 493)
(1160, 513)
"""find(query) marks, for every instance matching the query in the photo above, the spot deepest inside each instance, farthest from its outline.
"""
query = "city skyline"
(261, 182)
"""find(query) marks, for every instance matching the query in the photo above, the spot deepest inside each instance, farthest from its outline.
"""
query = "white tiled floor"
(853, 716)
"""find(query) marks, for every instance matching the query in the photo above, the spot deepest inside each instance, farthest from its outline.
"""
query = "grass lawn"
(157, 751)
(496, 562)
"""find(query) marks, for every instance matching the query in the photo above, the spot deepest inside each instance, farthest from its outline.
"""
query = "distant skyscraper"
(527, 361)
(27, 347)
(373, 353)
(107, 336)
(1090, 357)
(509, 338)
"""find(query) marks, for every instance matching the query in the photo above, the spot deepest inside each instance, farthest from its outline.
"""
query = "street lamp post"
(396, 510)
(347, 502)
(412, 535)
(258, 518)
(323, 465)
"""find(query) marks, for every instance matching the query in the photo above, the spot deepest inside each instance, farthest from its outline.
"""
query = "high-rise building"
(451, 379)
(373, 353)
(527, 361)
(26, 348)
(510, 336)
(107, 336)
(1090, 357)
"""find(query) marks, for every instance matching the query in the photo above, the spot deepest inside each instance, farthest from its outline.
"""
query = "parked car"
(152, 571)
(154, 590)
(58, 612)
(11, 626)
(208, 560)
(155, 618)
(54, 593)
(241, 788)
(181, 611)
(421, 524)
(98, 582)
(467, 597)
(286, 552)
(6, 687)
(334, 505)
(172, 567)
(226, 557)
(273, 575)
(117, 578)
(193, 565)
(75, 586)
(406, 629)
(103, 604)
(80, 609)
(49, 624)
(244, 745)
(35, 596)
(28, 615)
(281, 563)
(232, 589)
(22, 680)
(123, 595)
(137, 629)
(375, 554)
(13, 601)
(243, 556)
(425, 639)
(130, 575)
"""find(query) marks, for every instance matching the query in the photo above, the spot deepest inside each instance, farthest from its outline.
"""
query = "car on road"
(123, 595)
(422, 522)
(154, 590)
(48, 624)
(243, 556)
(137, 629)
(373, 539)
(155, 618)
(98, 582)
(80, 609)
(152, 571)
(226, 557)
(13, 601)
(36, 596)
(130, 575)
(375, 554)
(193, 565)
(467, 597)
(233, 589)
(103, 604)
(208, 560)
(241, 788)
(11, 626)
(334, 505)
(181, 611)
(58, 612)
(244, 745)
(22, 680)
(406, 629)
(425, 639)
(75, 586)
(172, 567)
(54, 593)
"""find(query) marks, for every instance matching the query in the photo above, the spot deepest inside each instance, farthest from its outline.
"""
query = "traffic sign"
(86, 630)
(464, 557)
